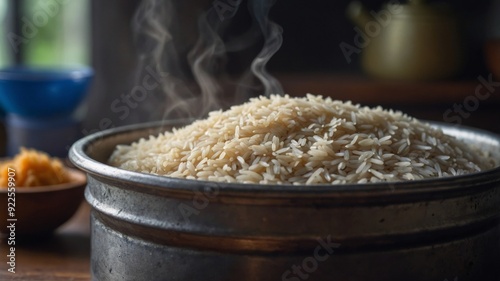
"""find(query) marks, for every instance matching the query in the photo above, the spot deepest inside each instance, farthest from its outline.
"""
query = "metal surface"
(147, 227)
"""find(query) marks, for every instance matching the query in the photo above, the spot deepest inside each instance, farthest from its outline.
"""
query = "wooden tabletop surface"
(63, 256)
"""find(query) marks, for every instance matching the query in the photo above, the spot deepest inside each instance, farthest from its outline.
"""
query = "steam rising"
(186, 44)
(273, 40)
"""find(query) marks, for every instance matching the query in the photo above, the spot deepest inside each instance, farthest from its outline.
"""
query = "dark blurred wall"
(113, 58)
(314, 29)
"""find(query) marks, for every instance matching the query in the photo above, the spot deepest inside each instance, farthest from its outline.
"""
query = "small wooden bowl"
(40, 210)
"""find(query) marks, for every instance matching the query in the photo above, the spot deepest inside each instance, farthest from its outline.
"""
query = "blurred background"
(323, 53)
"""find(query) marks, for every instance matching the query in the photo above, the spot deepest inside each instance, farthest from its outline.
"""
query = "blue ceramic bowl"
(43, 92)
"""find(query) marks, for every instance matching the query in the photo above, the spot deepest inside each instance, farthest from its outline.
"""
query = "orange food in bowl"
(33, 168)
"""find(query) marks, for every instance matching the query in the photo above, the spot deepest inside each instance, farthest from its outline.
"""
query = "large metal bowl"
(147, 227)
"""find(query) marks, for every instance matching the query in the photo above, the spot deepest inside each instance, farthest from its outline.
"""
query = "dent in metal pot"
(147, 227)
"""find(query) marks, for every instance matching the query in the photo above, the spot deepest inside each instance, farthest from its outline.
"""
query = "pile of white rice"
(309, 140)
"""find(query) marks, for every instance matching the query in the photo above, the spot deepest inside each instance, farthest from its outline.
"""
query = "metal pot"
(147, 227)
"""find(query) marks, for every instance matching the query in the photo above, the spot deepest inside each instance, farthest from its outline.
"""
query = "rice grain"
(307, 140)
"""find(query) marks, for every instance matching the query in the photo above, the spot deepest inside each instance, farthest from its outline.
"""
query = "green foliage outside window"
(52, 32)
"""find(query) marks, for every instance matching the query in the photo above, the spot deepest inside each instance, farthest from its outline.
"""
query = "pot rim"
(141, 181)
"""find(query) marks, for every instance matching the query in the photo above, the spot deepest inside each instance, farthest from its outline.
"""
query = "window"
(45, 32)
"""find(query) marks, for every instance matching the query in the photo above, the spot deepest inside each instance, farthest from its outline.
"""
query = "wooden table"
(63, 256)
